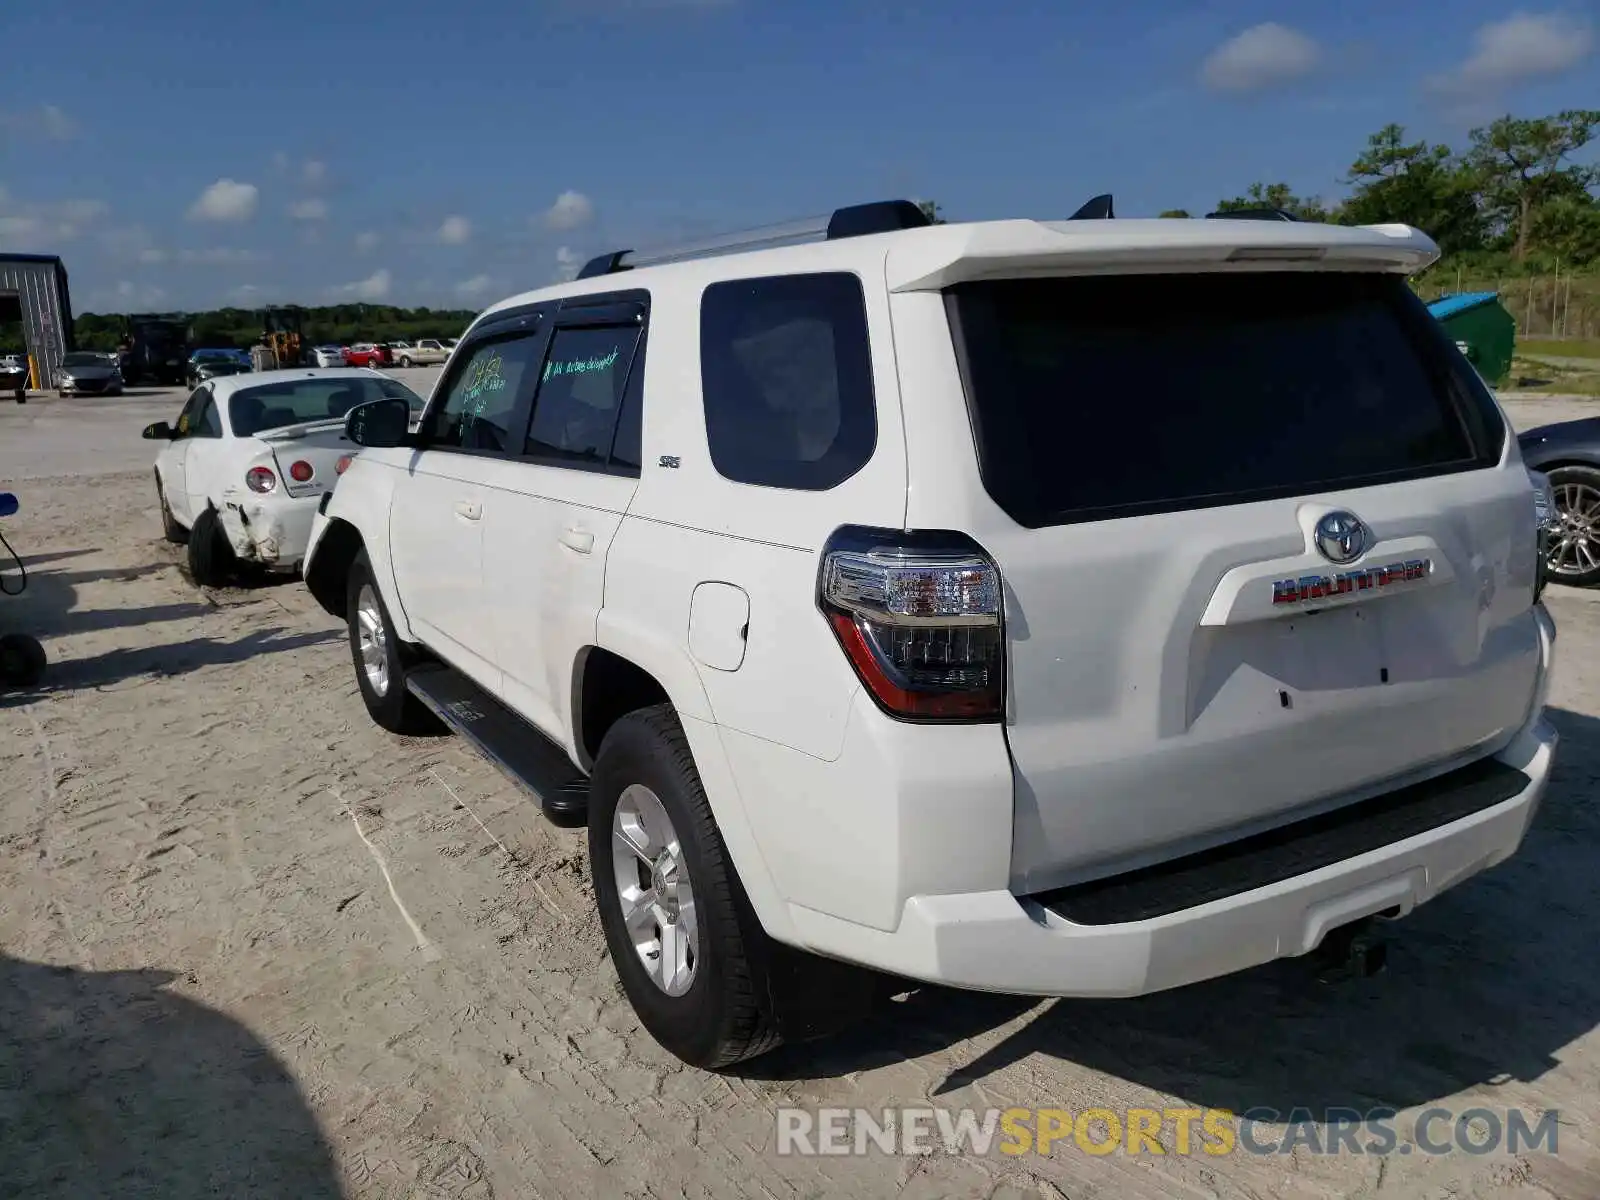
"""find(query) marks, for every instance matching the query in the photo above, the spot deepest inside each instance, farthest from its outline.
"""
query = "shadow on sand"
(111, 1085)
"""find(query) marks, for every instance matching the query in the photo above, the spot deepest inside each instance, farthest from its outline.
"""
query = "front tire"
(1574, 556)
(210, 556)
(380, 657)
(405, 362)
(22, 660)
(679, 928)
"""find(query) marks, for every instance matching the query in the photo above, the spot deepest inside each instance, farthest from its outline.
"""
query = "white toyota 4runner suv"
(1077, 608)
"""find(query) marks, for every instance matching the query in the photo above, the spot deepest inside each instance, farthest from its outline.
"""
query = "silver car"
(85, 373)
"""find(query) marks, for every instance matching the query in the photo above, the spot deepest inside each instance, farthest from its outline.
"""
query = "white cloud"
(46, 121)
(567, 264)
(475, 288)
(126, 296)
(312, 209)
(455, 230)
(19, 229)
(572, 210)
(225, 200)
(367, 240)
(152, 256)
(373, 287)
(46, 223)
(1262, 57)
(217, 256)
(314, 170)
(1520, 49)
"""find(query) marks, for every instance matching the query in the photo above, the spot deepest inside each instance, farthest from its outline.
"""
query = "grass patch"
(1531, 375)
(1562, 348)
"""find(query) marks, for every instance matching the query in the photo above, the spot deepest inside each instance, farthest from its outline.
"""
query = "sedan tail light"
(260, 479)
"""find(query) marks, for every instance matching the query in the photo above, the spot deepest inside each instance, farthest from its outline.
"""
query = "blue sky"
(451, 154)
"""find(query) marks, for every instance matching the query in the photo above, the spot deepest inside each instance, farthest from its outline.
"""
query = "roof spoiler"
(1097, 209)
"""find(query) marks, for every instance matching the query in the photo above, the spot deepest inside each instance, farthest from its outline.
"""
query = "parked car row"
(859, 656)
(424, 352)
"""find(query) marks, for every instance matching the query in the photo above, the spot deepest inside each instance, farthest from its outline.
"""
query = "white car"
(1075, 608)
(328, 356)
(250, 456)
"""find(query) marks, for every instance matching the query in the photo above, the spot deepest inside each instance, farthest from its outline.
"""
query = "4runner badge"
(1327, 587)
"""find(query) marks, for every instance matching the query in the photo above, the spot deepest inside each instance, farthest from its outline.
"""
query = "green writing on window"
(581, 366)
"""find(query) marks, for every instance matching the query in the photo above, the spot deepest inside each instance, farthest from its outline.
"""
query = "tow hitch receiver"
(1351, 951)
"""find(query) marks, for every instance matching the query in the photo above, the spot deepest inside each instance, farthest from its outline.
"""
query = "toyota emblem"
(1340, 537)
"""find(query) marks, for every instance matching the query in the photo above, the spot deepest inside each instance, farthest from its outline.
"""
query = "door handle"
(577, 539)
(470, 509)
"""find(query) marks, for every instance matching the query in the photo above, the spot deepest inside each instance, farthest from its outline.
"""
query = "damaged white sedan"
(250, 458)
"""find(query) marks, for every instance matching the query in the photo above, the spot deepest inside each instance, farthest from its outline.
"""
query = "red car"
(365, 354)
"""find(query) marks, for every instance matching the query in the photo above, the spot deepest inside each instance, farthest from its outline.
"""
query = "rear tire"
(695, 991)
(210, 556)
(1574, 557)
(380, 657)
(405, 362)
(170, 529)
(22, 660)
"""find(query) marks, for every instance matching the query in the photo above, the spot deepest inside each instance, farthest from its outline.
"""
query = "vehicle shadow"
(176, 658)
(1486, 983)
(111, 1085)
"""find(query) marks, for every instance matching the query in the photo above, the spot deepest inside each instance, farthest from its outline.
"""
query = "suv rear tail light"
(301, 471)
(260, 479)
(919, 615)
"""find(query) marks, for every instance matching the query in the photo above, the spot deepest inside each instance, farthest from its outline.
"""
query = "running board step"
(526, 756)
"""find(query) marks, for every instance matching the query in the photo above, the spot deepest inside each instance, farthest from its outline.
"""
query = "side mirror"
(159, 432)
(379, 423)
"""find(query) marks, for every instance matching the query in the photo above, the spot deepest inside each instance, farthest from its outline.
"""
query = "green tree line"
(339, 324)
(1515, 200)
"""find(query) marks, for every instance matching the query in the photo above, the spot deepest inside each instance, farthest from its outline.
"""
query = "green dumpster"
(1481, 326)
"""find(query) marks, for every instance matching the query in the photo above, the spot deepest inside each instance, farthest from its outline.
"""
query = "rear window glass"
(320, 398)
(786, 373)
(1102, 397)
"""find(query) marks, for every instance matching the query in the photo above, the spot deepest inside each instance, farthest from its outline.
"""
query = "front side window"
(580, 393)
(786, 374)
(209, 422)
(189, 417)
(482, 395)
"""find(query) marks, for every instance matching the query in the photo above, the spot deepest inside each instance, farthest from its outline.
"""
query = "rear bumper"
(273, 531)
(997, 941)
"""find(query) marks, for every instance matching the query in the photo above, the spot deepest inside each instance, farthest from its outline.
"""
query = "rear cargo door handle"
(469, 509)
(577, 539)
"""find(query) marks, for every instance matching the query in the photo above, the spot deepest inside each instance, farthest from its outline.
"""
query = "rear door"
(558, 507)
(1263, 550)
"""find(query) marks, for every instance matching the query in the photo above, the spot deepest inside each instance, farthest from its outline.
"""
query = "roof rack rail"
(1253, 214)
(856, 220)
(1097, 209)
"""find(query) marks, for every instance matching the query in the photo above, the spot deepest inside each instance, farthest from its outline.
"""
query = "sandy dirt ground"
(251, 945)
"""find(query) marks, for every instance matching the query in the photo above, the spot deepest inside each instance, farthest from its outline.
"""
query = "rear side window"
(1094, 398)
(580, 393)
(786, 373)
